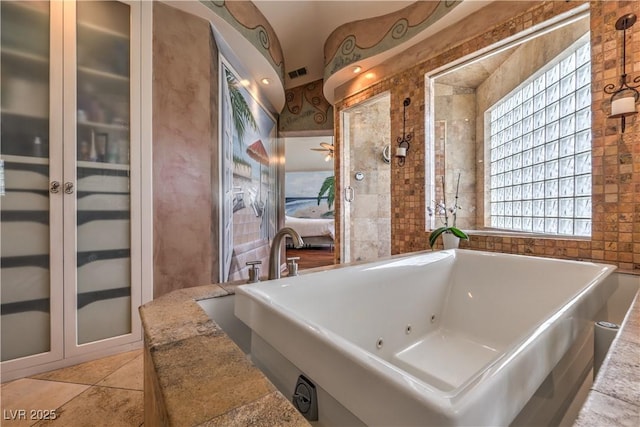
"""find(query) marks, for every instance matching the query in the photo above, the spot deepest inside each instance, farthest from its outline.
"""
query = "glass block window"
(540, 150)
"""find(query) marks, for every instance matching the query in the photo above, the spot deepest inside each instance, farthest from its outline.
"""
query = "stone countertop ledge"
(194, 375)
(614, 398)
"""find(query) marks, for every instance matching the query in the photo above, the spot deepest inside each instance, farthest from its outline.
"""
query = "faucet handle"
(292, 265)
(254, 271)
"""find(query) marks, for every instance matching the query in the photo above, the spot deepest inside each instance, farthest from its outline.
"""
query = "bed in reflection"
(314, 231)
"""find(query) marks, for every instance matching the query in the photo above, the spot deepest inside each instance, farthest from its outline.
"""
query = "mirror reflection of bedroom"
(309, 199)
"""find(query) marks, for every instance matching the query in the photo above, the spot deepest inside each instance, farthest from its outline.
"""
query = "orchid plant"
(446, 212)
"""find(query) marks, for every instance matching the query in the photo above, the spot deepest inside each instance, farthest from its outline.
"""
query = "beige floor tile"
(90, 372)
(101, 406)
(130, 376)
(35, 398)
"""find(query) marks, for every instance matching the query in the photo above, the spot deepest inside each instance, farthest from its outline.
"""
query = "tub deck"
(613, 401)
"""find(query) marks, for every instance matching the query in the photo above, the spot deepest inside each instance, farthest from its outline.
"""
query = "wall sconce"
(403, 141)
(624, 97)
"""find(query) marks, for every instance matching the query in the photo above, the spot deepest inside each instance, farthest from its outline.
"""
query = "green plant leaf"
(435, 234)
(459, 233)
(240, 110)
(329, 187)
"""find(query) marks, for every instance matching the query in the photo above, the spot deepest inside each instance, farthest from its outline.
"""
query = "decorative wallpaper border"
(306, 109)
(355, 41)
(245, 17)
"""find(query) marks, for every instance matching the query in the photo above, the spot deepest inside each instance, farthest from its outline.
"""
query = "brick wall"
(616, 157)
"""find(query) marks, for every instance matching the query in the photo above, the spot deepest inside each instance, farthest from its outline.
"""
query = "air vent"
(297, 73)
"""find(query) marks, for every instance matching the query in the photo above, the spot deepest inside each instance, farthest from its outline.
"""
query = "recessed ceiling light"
(245, 82)
(357, 69)
(369, 75)
(265, 81)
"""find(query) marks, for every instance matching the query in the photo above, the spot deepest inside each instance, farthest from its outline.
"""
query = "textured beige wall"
(183, 131)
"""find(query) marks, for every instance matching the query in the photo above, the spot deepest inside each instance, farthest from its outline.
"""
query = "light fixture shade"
(624, 106)
(624, 96)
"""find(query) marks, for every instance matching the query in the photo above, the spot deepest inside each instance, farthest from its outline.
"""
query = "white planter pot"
(450, 241)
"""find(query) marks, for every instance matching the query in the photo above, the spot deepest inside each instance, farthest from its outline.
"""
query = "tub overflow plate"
(305, 398)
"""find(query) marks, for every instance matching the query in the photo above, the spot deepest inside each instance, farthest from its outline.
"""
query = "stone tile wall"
(455, 148)
(616, 156)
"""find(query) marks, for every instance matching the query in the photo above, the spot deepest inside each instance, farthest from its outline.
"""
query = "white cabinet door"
(101, 181)
(30, 174)
(71, 174)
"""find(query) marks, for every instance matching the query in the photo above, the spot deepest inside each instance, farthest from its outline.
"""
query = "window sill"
(522, 235)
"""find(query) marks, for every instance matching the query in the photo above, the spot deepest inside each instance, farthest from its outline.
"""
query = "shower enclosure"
(366, 180)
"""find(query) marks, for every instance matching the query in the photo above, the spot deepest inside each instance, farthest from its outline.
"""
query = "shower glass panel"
(366, 178)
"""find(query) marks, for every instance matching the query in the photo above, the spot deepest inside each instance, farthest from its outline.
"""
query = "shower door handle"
(349, 194)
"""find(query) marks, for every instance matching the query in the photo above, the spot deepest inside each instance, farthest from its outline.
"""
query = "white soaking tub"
(439, 338)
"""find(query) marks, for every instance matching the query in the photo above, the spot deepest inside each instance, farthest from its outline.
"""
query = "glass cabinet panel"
(103, 173)
(24, 179)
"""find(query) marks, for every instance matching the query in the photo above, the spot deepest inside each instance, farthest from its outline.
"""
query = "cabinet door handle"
(54, 187)
(68, 187)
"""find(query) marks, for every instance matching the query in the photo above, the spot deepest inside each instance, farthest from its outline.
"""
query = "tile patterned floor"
(103, 392)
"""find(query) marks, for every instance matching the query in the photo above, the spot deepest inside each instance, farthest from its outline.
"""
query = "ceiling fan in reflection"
(325, 148)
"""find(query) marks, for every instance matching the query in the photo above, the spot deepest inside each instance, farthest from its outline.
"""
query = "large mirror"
(511, 135)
